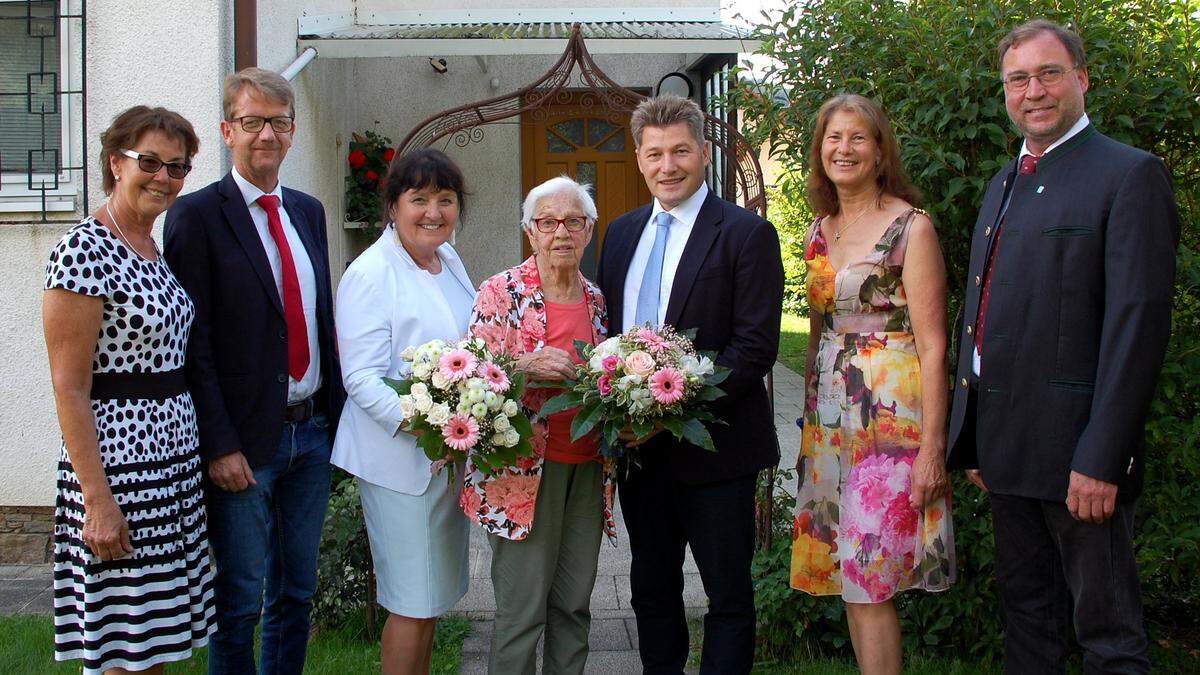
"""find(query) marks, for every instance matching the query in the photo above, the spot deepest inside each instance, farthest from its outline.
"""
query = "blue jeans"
(270, 532)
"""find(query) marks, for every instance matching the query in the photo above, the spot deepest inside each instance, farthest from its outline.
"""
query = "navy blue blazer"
(1077, 324)
(237, 351)
(728, 286)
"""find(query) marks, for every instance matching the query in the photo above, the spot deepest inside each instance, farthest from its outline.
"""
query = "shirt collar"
(1080, 125)
(688, 210)
(250, 191)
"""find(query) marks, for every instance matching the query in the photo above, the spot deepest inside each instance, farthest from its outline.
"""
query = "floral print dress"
(855, 533)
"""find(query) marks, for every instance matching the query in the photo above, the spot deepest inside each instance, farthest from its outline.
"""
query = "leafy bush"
(344, 584)
(791, 219)
(932, 65)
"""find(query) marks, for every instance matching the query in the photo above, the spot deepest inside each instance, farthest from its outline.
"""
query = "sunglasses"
(150, 164)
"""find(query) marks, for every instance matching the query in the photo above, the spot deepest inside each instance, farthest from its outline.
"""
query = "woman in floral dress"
(872, 514)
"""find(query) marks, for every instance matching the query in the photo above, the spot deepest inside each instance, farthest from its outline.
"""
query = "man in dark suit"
(693, 260)
(1067, 314)
(264, 376)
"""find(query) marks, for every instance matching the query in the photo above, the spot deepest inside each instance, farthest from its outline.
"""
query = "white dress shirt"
(298, 390)
(385, 303)
(683, 218)
(1080, 125)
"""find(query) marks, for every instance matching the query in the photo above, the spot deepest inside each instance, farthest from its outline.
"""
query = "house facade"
(67, 67)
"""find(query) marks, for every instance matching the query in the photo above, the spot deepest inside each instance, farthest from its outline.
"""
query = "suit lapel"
(238, 217)
(704, 233)
(623, 256)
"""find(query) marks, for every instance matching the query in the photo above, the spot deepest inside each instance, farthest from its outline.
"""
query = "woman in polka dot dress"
(132, 579)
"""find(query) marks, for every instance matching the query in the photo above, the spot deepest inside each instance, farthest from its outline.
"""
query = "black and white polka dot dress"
(154, 606)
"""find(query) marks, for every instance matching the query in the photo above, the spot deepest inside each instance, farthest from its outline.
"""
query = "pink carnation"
(652, 340)
(605, 385)
(461, 432)
(497, 379)
(457, 364)
(666, 386)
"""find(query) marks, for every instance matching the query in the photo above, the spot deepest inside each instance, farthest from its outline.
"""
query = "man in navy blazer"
(1066, 319)
(263, 372)
(693, 260)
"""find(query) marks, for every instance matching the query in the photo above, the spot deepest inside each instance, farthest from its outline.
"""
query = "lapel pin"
(1041, 188)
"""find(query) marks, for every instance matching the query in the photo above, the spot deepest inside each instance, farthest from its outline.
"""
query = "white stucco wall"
(140, 51)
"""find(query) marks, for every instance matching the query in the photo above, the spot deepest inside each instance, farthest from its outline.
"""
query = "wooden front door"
(578, 139)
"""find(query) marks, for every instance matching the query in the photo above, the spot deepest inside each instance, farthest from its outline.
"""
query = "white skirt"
(420, 547)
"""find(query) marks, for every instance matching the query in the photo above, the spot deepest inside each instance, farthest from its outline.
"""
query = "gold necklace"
(837, 236)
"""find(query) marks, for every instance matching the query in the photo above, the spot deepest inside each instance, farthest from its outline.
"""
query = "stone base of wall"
(25, 534)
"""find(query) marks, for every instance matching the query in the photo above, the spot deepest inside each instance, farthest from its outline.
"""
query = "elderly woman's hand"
(105, 530)
(548, 363)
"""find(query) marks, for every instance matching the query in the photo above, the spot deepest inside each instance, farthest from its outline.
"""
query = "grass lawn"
(27, 646)
(793, 341)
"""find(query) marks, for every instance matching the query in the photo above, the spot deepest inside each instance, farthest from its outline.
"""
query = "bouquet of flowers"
(463, 401)
(646, 378)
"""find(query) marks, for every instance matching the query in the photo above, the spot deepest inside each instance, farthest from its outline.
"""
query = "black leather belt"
(138, 386)
(299, 411)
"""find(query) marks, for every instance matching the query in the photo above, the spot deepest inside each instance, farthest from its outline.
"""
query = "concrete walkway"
(25, 589)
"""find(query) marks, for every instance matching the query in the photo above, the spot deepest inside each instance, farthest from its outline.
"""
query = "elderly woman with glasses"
(543, 572)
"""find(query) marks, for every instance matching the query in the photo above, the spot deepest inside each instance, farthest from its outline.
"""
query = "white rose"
(610, 346)
(422, 403)
(438, 414)
(407, 409)
(511, 438)
(510, 408)
(479, 410)
(628, 382)
(596, 363)
(493, 400)
(439, 380)
(421, 370)
(419, 389)
(501, 423)
(409, 353)
(498, 440)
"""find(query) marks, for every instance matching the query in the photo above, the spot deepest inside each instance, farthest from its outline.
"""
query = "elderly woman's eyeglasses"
(1047, 76)
(252, 124)
(548, 225)
(150, 164)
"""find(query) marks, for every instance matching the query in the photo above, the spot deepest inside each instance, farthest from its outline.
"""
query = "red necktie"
(1028, 165)
(293, 304)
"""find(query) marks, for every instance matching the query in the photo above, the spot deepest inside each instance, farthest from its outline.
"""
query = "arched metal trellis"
(463, 124)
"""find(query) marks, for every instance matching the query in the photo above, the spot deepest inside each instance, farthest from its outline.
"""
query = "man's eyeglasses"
(1047, 76)
(150, 164)
(548, 225)
(253, 124)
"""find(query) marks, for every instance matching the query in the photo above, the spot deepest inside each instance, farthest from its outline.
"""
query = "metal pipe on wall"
(299, 64)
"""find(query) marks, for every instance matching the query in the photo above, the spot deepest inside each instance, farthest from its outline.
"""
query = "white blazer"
(385, 303)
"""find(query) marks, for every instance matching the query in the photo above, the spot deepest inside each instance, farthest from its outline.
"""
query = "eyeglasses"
(253, 124)
(150, 164)
(548, 225)
(1047, 76)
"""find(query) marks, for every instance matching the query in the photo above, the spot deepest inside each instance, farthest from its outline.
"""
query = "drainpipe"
(299, 64)
(245, 34)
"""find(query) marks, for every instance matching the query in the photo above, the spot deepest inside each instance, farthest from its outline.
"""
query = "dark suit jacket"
(237, 352)
(729, 286)
(1077, 323)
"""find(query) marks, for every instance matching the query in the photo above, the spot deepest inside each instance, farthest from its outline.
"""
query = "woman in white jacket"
(408, 288)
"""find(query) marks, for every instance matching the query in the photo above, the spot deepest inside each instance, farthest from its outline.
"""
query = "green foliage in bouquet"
(607, 405)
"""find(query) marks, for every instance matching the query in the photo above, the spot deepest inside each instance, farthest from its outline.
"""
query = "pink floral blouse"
(510, 316)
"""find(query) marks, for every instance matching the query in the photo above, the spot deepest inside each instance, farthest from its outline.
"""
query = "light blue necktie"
(647, 304)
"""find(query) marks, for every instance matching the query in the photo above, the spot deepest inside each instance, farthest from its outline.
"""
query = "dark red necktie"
(293, 304)
(1027, 166)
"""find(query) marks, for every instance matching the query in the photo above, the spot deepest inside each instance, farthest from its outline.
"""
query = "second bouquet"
(642, 380)
(463, 401)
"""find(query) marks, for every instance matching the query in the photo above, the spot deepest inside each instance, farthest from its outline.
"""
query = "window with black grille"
(41, 104)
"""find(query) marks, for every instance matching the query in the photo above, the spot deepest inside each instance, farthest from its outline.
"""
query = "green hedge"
(932, 65)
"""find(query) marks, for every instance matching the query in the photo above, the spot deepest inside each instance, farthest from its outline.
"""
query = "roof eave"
(335, 48)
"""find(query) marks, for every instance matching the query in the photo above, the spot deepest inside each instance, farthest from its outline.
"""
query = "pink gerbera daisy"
(496, 378)
(461, 432)
(652, 340)
(457, 364)
(666, 386)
